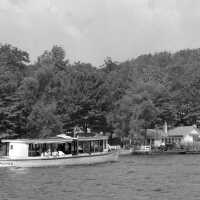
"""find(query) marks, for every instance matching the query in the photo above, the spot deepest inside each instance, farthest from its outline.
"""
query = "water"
(173, 177)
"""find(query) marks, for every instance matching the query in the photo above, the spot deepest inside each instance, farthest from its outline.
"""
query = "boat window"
(68, 148)
(11, 146)
(96, 146)
(86, 147)
(101, 145)
(4, 149)
(74, 147)
(104, 144)
(35, 149)
(80, 147)
(49, 149)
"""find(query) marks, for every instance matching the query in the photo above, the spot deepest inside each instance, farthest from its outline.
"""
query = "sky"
(91, 30)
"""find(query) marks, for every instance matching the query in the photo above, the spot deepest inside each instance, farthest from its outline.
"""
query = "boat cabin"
(92, 144)
(53, 147)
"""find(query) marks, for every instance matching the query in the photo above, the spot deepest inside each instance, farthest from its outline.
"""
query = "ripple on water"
(130, 172)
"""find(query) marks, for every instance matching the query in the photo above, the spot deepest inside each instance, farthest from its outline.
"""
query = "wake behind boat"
(60, 150)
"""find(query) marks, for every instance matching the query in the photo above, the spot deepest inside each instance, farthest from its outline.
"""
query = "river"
(173, 177)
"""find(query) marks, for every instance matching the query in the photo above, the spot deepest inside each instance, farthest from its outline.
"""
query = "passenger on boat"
(46, 153)
(55, 153)
(109, 148)
(60, 153)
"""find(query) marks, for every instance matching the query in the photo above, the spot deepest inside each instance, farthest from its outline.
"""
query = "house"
(183, 135)
(178, 135)
(155, 137)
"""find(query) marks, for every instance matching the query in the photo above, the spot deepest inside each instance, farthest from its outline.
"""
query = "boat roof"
(38, 141)
(57, 139)
(99, 137)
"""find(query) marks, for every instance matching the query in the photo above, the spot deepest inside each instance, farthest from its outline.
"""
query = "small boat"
(143, 149)
(57, 151)
(125, 152)
(168, 152)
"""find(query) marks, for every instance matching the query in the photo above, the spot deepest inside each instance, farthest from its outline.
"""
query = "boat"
(143, 149)
(168, 152)
(57, 151)
(125, 152)
(146, 149)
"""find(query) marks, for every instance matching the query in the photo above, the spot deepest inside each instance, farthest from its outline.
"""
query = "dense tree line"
(53, 95)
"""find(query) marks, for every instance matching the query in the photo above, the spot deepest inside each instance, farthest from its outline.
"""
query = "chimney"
(165, 127)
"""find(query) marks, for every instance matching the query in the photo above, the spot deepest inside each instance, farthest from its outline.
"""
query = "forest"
(53, 95)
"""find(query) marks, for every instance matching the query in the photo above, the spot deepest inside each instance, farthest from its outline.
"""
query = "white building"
(183, 135)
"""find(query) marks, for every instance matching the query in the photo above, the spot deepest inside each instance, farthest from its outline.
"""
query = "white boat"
(125, 152)
(56, 151)
(143, 149)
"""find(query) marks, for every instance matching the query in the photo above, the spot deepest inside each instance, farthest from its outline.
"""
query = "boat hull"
(59, 161)
(158, 152)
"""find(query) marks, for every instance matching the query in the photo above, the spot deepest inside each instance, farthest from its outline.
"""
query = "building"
(183, 135)
(179, 136)
(157, 137)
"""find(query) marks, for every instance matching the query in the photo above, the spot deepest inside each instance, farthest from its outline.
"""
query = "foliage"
(53, 95)
(12, 71)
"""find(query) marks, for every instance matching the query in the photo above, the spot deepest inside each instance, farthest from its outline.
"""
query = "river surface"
(132, 178)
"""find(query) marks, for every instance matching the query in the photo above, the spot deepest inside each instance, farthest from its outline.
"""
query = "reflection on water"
(14, 171)
(134, 177)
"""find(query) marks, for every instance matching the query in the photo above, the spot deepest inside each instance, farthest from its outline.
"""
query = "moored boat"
(125, 152)
(56, 151)
(168, 152)
(146, 149)
(143, 149)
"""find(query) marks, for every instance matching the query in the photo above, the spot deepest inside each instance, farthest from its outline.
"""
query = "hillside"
(53, 95)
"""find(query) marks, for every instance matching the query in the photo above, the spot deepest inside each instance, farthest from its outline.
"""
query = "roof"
(155, 133)
(58, 139)
(92, 138)
(183, 130)
(63, 136)
(38, 141)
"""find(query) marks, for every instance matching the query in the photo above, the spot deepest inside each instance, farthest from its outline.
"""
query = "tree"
(13, 67)
(43, 122)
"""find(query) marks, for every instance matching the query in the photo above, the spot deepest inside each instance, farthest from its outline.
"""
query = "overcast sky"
(90, 30)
